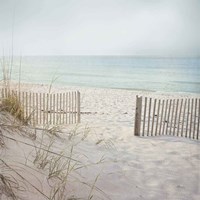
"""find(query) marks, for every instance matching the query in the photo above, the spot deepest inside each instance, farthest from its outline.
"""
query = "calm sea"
(153, 74)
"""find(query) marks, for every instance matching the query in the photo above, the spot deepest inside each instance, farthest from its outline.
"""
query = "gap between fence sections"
(48, 108)
(175, 117)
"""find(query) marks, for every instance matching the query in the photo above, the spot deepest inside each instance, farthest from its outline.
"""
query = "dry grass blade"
(56, 166)
(23, 178)
(90, 196)
(2, 143)
(6, 71)
(51, 152)
(42, 157)
(8, 187)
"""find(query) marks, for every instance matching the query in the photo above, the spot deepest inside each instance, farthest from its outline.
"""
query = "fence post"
(138, 116)
(79, 106)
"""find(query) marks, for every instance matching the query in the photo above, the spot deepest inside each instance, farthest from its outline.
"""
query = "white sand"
(133, 167)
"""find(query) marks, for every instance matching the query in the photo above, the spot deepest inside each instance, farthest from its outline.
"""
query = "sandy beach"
(118, 164)
(99, 100)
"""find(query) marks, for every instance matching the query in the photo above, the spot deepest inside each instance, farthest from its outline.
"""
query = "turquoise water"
(153, 74)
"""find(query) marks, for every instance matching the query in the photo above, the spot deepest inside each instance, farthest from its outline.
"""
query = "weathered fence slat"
(79, 107)
(54, 108)
(67, 108)
(40, 97)
(157, 117)
(191, 118)
(30, 108)
(175, 119)
(165, 117)
(72, 107)
(168, 117)
(172, 117)
(60, 108)
(33, 107)
(138, 112)
(188, 115)
(75, 105)
(50, 107)
(198, 122)
(161, 119)
(37, 108)
(23, 102)
(144, 117)
(26, 107)
(149, 117)
(194, 124)
(153, 117)
(183, 120)
(179, 117)
(43, 109)
(63, 108)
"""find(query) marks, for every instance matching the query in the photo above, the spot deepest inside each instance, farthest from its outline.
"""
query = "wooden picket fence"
(175, 117)
(48, 108)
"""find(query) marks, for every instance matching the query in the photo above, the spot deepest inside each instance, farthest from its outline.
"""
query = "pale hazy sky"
(101, 27)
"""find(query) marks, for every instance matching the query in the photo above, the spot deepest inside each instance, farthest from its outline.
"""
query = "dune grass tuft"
(7, 187)
(12, 105)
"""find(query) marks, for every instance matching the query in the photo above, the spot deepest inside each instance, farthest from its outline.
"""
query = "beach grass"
(12, 105)
(59, 169)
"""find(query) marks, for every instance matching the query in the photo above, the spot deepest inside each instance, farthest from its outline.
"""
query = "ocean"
(125, 72)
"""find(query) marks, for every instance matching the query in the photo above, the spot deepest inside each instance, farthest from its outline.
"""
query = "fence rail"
(48, 108)
(176, 117)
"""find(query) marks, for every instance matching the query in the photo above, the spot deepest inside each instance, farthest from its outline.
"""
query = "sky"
(100, 27)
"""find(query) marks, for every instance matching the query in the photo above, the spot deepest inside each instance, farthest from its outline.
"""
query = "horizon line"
(106, 55)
